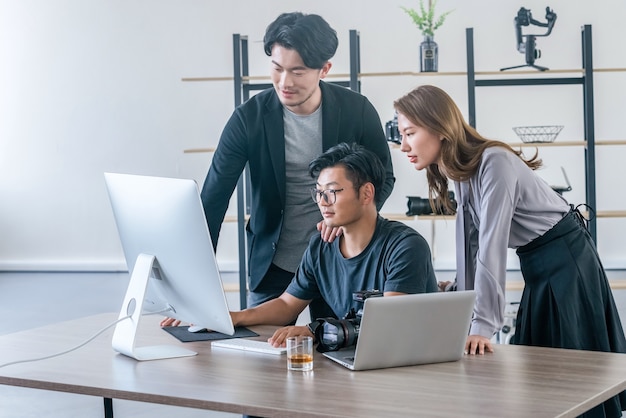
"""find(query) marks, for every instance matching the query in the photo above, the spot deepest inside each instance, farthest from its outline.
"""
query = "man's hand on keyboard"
(280, 336)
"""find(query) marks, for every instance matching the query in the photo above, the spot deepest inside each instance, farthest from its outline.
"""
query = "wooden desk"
(515, 381)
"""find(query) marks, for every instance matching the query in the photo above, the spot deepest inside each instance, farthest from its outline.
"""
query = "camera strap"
(580, 217)
(313, 327)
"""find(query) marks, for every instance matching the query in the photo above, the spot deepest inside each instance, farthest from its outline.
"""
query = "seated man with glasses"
(372, 253)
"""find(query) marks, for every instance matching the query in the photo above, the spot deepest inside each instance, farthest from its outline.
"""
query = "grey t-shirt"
(303, 143)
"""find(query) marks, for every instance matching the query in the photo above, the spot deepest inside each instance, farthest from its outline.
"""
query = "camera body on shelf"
(391, 131)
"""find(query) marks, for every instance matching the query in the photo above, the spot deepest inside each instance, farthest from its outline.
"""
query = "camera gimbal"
(526, 43)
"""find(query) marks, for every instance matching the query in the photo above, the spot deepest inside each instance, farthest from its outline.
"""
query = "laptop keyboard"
(250, 345)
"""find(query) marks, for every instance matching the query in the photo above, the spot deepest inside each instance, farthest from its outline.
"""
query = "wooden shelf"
(403, 217)
(566, 143)
(511, 285)
(339, 75)
(611, 214)
(518, 285)
(233, 218)
(413, 74)
(548, 144)
(390, 216)
(419, 74)
(612, 142)
(197, 150)
(513, 144)
(543, 73)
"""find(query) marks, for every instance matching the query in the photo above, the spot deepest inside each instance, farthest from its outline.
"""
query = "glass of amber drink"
(300, 353)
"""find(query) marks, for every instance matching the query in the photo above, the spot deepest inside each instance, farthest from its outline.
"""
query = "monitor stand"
(125, 332)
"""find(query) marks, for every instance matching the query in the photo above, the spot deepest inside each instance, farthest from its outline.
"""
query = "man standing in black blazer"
(278, 132)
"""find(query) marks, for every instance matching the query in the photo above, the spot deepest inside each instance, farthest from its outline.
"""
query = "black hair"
(362, 165)
(310, 35)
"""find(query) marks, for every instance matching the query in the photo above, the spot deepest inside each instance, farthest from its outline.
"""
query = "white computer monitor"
(170, 258)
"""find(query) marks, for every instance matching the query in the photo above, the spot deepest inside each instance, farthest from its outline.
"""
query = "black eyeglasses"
(329, 195)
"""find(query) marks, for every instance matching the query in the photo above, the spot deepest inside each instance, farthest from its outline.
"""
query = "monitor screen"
(170, 258)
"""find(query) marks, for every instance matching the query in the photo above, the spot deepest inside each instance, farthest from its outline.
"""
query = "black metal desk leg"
(108, 408)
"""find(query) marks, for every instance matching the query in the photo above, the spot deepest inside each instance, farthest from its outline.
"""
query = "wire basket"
(530, 134)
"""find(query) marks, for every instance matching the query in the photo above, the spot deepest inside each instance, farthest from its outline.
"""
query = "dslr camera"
(421, 206)
(333, 334)
(391, 130)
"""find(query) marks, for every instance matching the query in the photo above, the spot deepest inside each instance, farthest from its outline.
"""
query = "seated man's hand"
(170, 322)
(280, 336)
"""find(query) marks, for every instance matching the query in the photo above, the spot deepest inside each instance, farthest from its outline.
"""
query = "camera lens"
(338, 333)
(418, 206)
(421, 206)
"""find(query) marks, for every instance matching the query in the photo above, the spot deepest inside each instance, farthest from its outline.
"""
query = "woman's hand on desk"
(477, 344)
(281, 334)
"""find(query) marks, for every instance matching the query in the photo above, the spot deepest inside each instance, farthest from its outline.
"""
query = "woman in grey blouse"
(502, 204)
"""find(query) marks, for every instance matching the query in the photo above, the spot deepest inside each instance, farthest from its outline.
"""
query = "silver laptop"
(408, 330)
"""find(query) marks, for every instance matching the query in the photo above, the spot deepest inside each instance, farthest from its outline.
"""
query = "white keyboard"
(249, 345)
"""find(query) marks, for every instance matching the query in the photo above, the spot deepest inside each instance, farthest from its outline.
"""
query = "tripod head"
(526, 42)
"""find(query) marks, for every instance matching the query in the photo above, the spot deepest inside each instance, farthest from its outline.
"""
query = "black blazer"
(254, 134)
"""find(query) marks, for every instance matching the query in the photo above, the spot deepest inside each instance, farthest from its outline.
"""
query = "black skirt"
(567, 301)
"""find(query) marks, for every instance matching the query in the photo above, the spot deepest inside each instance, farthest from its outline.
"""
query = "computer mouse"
(196, 328)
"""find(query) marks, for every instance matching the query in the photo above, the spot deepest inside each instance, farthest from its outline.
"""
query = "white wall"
(94, 86)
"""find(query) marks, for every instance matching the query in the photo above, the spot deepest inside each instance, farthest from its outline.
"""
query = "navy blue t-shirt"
(397, 259)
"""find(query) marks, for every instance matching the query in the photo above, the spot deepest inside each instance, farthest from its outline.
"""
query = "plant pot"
(429, 55)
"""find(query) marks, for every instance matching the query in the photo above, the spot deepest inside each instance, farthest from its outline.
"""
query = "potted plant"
(426, 22)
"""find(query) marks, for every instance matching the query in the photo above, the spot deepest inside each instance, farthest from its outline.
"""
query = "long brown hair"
(462, 147)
